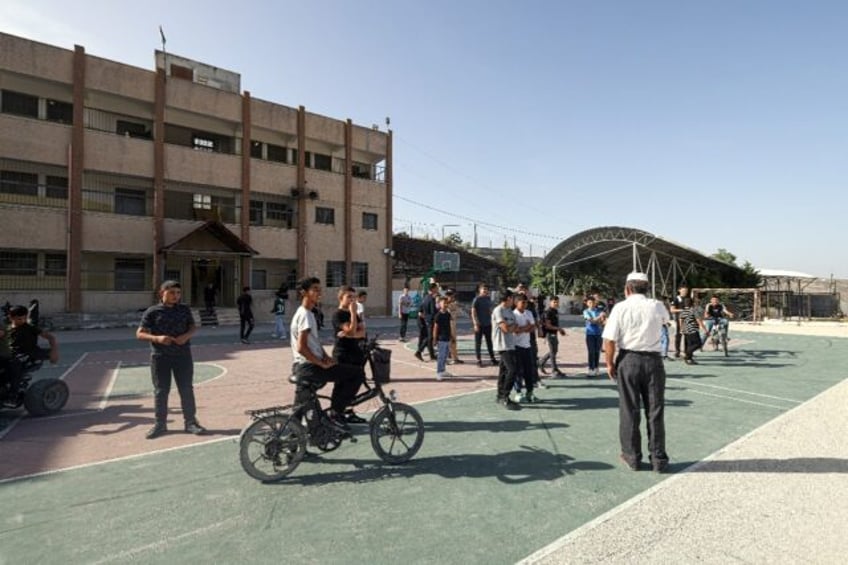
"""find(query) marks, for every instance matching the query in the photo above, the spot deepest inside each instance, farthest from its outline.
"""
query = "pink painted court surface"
(758, 465)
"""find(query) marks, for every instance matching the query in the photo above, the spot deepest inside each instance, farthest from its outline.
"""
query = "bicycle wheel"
(272, 447)
(397, 432)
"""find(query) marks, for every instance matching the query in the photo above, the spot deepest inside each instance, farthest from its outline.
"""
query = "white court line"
(734, 399)
(105, 400)
(129, 554)
(743, 392)
(114, 460)
(556, 545)
(14, 422)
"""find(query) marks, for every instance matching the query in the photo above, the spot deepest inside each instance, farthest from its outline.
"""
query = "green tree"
(541, 277)
(724, 255)
(509, 260)
(453, 240)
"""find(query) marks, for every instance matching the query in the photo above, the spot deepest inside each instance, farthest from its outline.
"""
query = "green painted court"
(488, 486)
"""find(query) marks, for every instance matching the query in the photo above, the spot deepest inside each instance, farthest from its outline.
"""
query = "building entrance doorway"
(215, 276)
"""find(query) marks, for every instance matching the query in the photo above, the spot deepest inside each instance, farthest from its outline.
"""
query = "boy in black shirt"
(349, 332)
(442, 336)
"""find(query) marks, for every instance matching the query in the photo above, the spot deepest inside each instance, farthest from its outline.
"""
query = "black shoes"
(352, 418)
(479, 363)
(338, 420)
(156, 431)
(632, 465)
(195, 428)
(418, 356)
(690, 361)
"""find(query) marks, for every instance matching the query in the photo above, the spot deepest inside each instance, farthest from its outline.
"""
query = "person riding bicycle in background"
(716, 312)
(21, 339)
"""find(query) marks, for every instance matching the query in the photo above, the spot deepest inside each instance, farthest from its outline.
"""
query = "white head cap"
(636, 276)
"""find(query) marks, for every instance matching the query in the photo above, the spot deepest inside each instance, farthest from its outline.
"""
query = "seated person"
(311, 362)
(716, 312)
(349, 331)
(22, 340)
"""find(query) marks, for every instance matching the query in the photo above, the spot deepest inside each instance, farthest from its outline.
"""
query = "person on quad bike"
(21, 339)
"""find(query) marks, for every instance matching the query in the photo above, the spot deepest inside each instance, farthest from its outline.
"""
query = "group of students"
(691, 323)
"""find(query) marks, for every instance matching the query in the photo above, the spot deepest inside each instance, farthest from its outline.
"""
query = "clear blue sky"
(720, 124)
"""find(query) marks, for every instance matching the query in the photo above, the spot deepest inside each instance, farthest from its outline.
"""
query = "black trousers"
(553, 348)
(641, 381)
(525, 369)
(181, 367)
(692, 343)
(425, 338)
(347, 378)
(483, 332)
(506, 373)
(404, 322)
(245, 322)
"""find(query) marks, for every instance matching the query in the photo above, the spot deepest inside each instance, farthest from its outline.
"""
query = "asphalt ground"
(488, 486)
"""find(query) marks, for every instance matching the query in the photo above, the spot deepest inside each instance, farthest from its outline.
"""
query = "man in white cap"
(633, 332)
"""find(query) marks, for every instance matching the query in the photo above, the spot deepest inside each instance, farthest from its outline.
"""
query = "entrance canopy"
(210, 238)
(622, 250)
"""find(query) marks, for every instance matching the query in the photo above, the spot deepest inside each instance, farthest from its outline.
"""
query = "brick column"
(73, 292)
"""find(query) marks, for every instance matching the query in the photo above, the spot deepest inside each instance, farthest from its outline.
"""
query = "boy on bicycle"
(716, 312)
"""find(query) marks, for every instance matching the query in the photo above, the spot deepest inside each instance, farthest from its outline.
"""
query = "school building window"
(369, 221)
(55, 264)
(20, 263)
(62, 112)
(129, 274)
(258, 279)
(130, 202)
(325, 215)
(56, 187)
(14, 182)
(360, 274)
(19, 104)
(335, 273)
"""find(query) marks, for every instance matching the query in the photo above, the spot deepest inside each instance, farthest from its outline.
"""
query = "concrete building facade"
(114, 178)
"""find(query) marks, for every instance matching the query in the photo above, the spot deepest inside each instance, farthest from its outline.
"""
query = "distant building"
(113, 178)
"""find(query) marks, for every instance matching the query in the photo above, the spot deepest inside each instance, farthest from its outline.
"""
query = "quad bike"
(40, 397)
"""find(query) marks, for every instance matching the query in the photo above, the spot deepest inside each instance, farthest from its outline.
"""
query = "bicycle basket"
(381, 362)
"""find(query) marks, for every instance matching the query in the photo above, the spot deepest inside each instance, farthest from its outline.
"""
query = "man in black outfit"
(245, 310)
(426, 315)
(169, 326)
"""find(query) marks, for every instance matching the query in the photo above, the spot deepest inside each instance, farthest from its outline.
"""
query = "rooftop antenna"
(164, 52)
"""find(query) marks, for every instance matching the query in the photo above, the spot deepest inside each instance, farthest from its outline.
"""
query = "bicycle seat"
(306, 381)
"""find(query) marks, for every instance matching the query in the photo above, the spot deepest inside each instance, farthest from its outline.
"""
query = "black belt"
(648, 353)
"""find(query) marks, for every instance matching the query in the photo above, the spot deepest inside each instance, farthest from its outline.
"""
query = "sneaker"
(275, 336)
(195, 428)
(559, 374)
(338, 420)
(510, 405)
(459, 361)
(540, 384)
(418, 356)
(447, 375)
(542, 368)
(440, 376)
(156, 431)
(479, 363)
(531, 398)
(244, 341)
(519, 397)
(494, 362)
(351, 417)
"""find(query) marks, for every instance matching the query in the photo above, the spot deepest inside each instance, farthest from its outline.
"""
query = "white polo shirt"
(636, 324)
(522, 319)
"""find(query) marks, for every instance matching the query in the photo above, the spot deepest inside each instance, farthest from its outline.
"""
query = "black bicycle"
(276, 440)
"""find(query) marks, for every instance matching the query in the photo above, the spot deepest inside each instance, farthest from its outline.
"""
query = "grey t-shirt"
(502, 341)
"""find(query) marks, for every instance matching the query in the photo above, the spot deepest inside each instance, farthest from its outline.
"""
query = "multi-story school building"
(114, 178)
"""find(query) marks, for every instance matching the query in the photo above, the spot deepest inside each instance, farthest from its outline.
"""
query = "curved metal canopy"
(623, 250)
